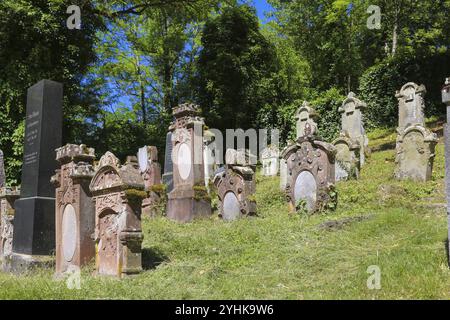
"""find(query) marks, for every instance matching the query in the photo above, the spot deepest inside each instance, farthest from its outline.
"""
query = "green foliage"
(380, 83)
(234, 67)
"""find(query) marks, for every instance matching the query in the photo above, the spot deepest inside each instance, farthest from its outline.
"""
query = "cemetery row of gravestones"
(95, 212)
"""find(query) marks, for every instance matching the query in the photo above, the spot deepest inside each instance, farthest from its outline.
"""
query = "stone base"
(34, 226)
(23, 263)
(184, 208)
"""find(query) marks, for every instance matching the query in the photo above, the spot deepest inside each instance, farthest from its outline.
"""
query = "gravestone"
(415, 143)
(189, 197)
(7, 198)
(34, 221)
(269, 158)
(2, 170)
(446, 100)
(209, 156)
(347, 158)
(117, 192)
(305, 115)
(283, 173)
(167, 177)
(151, 174)
(310, 173)
(74, 212)
(236, 186)
(411, 105)
(352, 124)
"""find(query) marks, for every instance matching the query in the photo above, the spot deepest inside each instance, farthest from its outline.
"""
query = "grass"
(282, 256)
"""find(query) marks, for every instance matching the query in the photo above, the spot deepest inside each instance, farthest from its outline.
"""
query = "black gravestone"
(167, 177)
(34, 220)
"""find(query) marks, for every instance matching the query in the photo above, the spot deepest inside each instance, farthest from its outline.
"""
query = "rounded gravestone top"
(184, 161)
(231, 207)
(306, 189)
(143, 159)
(69, 232)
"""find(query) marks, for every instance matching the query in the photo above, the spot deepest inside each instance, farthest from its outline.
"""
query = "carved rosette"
(318, 158)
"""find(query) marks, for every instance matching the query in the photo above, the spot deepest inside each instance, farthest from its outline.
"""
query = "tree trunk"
(395, 39)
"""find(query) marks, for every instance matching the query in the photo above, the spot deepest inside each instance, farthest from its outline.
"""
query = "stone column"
(74, 210)
(34, 221)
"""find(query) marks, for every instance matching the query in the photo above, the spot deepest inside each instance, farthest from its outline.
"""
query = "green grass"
(282, 256)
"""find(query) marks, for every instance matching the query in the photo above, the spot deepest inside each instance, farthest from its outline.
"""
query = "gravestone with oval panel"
(236, 186)
(416, 144)
(74, 212)
(117, 192)
(310, 165)
(189, 198)
(8, 196)
(151, 173)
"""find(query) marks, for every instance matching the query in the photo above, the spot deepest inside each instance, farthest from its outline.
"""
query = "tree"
(233, 68)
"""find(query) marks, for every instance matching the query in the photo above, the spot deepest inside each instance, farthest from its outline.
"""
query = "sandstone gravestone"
(118, 191)
(189, 197)
(167, 177)
(151, 174)
(446, 101)
(352, 124)
(311, 173)
(415, 143)
(283, 173)
(209, 156)
(2, 170)
(305, 115)
(75, 212)
(34, 221)
(7, 198)
(236, 187)
(269, 158)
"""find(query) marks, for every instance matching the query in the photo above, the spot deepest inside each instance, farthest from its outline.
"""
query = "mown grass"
(282, 256)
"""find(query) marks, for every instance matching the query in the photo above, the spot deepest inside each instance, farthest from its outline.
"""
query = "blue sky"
(261, 7)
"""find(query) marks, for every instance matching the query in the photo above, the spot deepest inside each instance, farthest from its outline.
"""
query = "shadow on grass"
(151, 258)
(384, 147)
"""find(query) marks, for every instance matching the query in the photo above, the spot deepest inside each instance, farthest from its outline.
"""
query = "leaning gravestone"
(167, 177)
(415, 143)
(236, 186)
(446, 101)
(7, 198)
(189, 197)
(347, 158)
(118, 191)
(34, 221)
(310, 172)
(75, 212)
(269, 159)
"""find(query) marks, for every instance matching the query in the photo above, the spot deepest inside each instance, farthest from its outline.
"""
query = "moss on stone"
(135, 194)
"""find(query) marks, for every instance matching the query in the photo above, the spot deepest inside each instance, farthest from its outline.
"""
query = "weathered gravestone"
(2, 170)
(446, 101)
(34, 221)
(118, 191)
(74, 212)
(352, 144)
(305, 115)
(310, 173)
(7, 198)
(167, 177)
(209, 156)
(415, 143)
(236, 186)
(189, 198)
(270, 158)
(151, 174)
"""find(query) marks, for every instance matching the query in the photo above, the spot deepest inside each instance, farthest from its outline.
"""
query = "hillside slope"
(398, 226)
